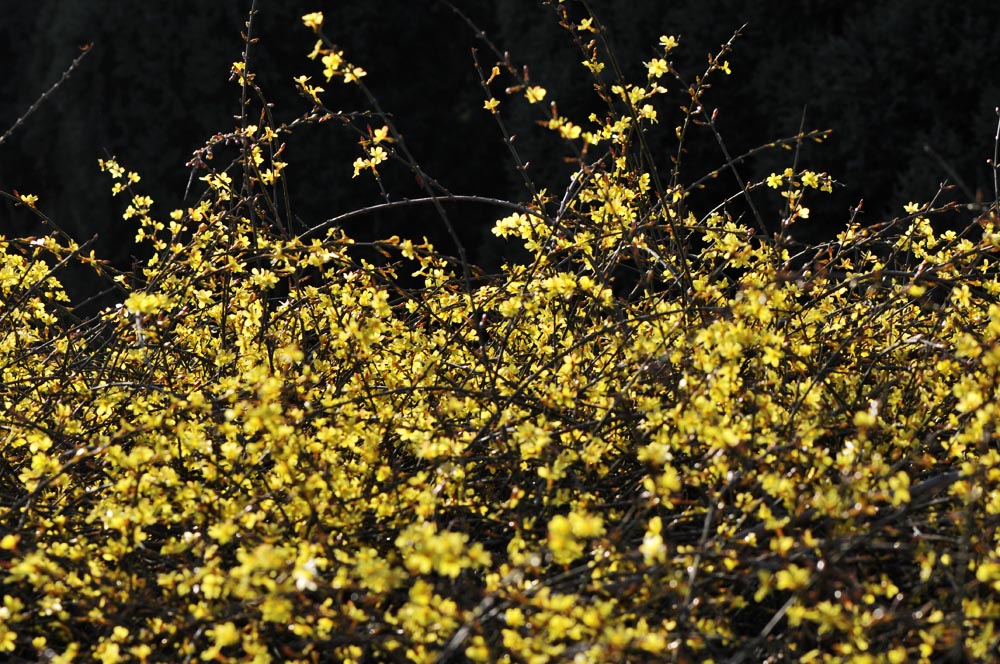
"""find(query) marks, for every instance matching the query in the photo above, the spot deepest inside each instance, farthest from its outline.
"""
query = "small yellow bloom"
(864, 419)
(491, 105)
(354, 75)
(317, 49)
(331, 64)
(146, 303)
(898, 655)
(514, 617)
(793, 578)
(668, 43)
(8, 640)
(225, 634)
(657, 67)
(111, 166)
(380, 135)
(313, 20)
(535, 94)
(378, 155)
(569, 130)
(29, 200)
(311, 90)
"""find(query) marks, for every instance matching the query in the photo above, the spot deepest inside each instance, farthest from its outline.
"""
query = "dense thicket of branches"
(663, 429)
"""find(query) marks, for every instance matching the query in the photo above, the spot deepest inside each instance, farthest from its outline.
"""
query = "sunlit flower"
(313, 20)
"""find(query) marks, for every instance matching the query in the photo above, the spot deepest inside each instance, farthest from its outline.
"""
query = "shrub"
(662, 434)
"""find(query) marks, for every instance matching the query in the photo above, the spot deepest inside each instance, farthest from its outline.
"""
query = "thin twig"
(45, 95)
(450, 198)
(996, 146)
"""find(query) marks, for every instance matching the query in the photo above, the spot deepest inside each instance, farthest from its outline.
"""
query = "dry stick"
(645, 153)
(34, 107)
(795, 169)
(427, 183)
(952, 173)
(815, 134)
(450, 198)
(521, 166)
(285, 232)
(996, 145)
(227, 279)
(744, 188)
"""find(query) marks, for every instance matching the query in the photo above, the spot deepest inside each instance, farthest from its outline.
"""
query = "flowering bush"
(665, 434)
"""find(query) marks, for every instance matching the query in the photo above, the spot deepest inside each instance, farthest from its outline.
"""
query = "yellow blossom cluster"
(657, 435)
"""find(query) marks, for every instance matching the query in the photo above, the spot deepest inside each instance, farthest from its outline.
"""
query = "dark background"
(908, 86)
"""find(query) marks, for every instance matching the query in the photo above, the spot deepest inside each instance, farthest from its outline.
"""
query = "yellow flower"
(225, 634)
(28, 199)
(108, 653)
(563, 544)
(491, 105)
(111, 166)
(514, 617)
(570, 130)
(313, 20)
(331, 64)
(668, 43)
(535, 94)
(380, 135)
(657, 67)
(311, 90)
(146, 303)
(8, 639)
(653, 548)
(378, 155)
(354, 75)
(317, 49)
(586, 525)
(793, 578)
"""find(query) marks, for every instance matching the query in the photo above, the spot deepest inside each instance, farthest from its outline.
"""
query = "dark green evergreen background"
(891, 78)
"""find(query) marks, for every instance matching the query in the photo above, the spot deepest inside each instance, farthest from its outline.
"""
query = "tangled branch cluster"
(658, 437)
